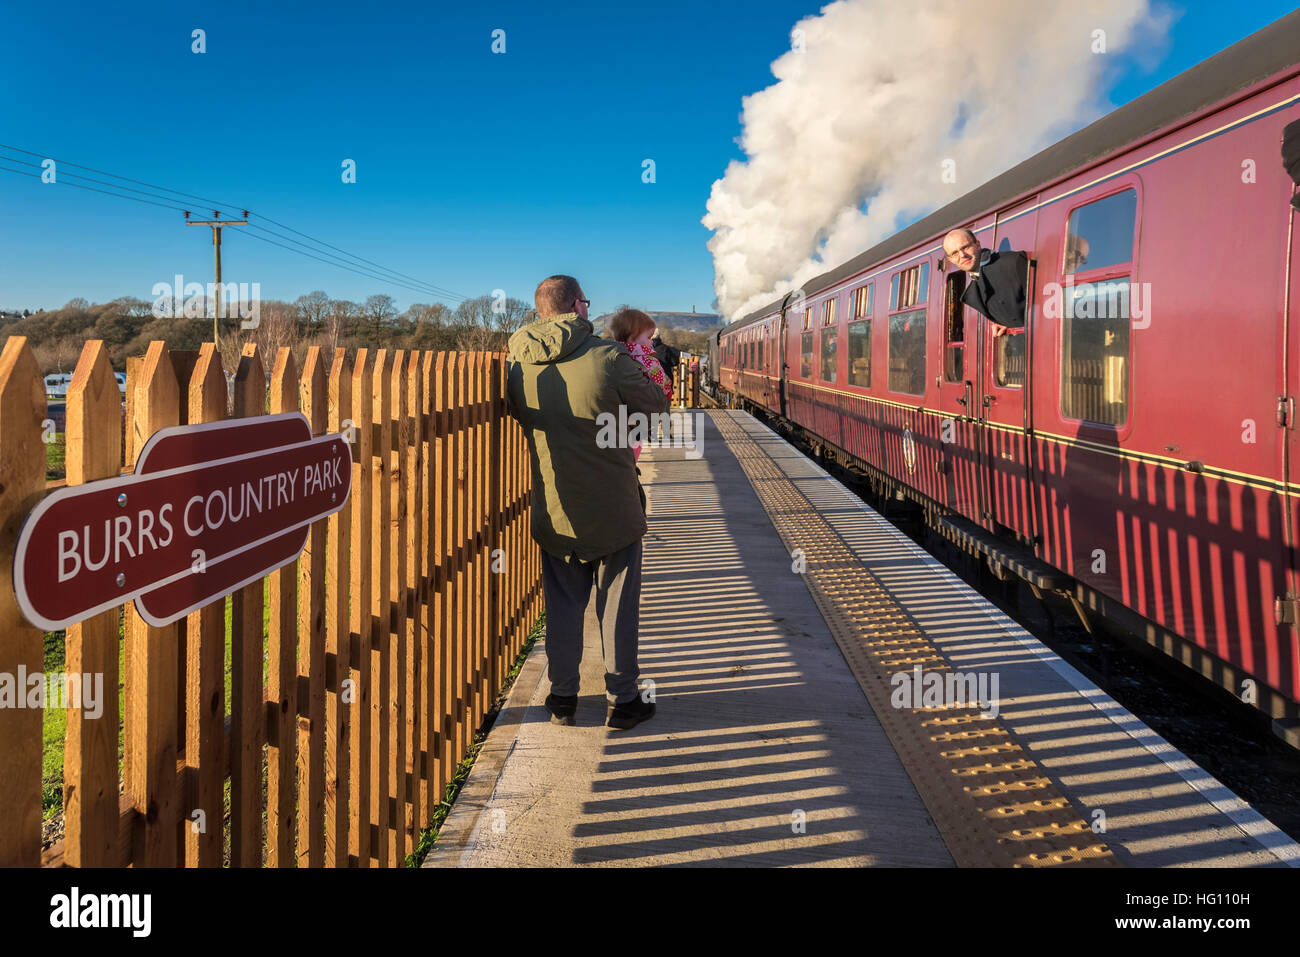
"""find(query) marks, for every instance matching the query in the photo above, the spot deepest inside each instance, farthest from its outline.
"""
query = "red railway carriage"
(1134, 445)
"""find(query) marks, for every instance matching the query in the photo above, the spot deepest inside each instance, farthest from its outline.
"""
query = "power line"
(339, 265)
(420, 285)
(424, 287)
(138, 182)
(360, 272)
(24, 172)
(448, 292)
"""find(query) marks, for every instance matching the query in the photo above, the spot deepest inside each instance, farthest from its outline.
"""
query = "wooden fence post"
(413, 465)
(496, 466)
(247, 694)
(22, 486)
(395, 606)
(461, 551)
(439, 570)
(150, 745)
(361, 627)
(338, 635)
(282, 666)
(205, 692)
(90, 797)
(312, 733)
(478, 496)
(380, 534)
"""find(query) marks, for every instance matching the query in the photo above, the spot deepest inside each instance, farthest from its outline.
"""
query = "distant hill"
(702, 322)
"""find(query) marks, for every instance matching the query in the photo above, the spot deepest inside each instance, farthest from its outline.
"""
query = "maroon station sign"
(210, 508)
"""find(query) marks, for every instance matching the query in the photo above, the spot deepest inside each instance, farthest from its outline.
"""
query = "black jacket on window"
(999, 290)
(1291, 156)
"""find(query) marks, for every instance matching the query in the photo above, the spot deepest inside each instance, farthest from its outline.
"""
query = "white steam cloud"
(870, 102)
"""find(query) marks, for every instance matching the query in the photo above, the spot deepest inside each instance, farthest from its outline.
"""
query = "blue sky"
(475, 171)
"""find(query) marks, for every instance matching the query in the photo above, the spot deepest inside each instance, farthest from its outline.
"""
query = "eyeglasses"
(959, 251)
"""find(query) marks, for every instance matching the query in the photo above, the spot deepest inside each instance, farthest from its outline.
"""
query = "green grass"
(54, 731)
(55, 462)
(429, 835)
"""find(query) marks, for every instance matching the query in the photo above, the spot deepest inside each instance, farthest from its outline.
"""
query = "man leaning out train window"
(997, 280)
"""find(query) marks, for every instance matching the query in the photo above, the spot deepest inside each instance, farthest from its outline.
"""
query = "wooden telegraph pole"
(217, 225)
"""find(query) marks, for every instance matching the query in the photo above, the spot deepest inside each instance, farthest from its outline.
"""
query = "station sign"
(209, 509)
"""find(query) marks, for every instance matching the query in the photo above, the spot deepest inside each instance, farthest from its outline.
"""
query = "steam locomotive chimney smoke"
(901, 107)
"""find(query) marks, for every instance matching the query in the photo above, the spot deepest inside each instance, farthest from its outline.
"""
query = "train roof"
(1262, 54)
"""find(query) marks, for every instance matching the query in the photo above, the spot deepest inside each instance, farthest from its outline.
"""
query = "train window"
(1100, 234)
(806, 356)
(1095, 351)
(860, 352)
(1009, 358)
(760, 353)
(954, 328)
(861, 306)
(828, 354)
(828, 312)
(908, 288)
(807, 318)
(907, 352)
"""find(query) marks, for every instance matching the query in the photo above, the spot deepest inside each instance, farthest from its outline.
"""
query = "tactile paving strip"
(993, 805)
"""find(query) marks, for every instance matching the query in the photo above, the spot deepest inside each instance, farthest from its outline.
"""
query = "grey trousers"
(567, 585)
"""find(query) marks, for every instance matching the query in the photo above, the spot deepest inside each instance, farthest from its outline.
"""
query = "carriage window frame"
(856, 300)
(829, 341)
(864, 336)
(954, 320)
(1094, 276)
(909, 296)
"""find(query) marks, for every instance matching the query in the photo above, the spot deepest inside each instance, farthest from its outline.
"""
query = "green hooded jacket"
(561, 378)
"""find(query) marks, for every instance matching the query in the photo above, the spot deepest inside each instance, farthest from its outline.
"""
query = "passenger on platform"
(669, 358)
(563, 383)
(635, 329)
(997, 280)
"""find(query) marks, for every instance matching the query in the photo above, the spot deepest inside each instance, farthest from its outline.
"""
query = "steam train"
(1133, 447)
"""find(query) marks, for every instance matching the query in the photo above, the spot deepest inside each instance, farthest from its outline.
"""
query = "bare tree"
(342, 317)
(278, 327)
(313, 309)
(380, 311)
(510, 314)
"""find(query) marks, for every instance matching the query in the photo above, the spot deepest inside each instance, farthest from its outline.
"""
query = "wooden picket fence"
(686, 383)
(386, 642)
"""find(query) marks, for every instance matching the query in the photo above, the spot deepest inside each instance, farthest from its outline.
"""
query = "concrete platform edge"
(457, 834)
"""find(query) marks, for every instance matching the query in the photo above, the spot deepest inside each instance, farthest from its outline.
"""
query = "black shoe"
(628, 714)
(562, 708)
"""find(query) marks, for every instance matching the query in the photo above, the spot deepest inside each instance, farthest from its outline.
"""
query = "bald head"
(962, 249)
(557, 296)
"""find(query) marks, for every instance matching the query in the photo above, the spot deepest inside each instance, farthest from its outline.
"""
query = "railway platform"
(829, 694)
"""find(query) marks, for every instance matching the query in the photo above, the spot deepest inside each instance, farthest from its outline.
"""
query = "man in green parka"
(564, 385)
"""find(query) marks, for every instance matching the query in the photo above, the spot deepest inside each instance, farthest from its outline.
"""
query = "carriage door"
(1003, 398)
(959, 428)
(782, 347)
